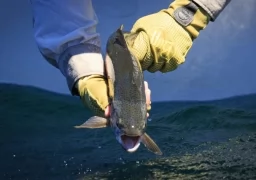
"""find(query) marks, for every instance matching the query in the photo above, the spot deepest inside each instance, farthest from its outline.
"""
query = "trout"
(128, 109)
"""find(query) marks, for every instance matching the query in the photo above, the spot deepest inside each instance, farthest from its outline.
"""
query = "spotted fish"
(128, 116)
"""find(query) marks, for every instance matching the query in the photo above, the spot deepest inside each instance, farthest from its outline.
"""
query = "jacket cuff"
(212, 7)
(80, 61)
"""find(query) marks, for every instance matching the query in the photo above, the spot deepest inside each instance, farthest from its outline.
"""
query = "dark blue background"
(221, 63)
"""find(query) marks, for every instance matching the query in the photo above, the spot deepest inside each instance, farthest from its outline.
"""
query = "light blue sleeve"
(213, 7)
(65, 32)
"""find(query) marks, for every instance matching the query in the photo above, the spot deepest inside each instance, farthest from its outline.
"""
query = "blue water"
(200, 140)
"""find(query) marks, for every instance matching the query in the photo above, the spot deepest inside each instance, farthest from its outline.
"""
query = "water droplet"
(14, 155)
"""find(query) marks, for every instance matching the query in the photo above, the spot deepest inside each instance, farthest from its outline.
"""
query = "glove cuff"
(189, 15)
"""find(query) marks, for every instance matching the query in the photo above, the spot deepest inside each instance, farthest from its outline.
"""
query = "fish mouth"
(130, 143)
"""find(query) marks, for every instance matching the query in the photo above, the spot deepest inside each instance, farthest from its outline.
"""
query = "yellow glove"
(162, 40)
(93, 91)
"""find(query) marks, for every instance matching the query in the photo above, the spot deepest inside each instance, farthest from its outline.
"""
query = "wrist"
(212, 7)
(189, 15)
(80, 61)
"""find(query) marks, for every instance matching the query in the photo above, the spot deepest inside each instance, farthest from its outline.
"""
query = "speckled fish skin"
(128, 109)
(128, 105)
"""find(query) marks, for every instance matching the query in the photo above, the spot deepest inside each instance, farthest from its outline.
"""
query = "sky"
(221, 62)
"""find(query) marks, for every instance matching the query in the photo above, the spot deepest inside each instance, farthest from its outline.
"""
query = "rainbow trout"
(128, 116)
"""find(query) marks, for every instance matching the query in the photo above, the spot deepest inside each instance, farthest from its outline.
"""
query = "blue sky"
(221, 62)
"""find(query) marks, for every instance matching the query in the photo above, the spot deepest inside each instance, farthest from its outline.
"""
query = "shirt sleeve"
(213, 7)
(65, 33)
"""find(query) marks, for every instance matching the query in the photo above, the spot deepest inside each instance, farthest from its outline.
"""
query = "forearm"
(65, 32)
(213, 7)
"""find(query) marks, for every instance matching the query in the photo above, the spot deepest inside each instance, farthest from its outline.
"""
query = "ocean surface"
(200, 140)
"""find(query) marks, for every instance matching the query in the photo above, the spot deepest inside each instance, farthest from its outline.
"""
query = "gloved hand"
(94, 94)
(93, 91)
(159, 42)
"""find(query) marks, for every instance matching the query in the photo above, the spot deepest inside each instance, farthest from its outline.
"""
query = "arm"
(65, 32)
(213, 7)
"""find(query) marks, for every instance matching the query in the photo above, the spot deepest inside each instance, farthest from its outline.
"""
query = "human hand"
(162, 40)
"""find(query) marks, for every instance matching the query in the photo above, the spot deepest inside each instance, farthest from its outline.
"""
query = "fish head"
(129, 125)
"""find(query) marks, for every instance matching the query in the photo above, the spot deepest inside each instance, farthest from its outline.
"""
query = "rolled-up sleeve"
(65, 32)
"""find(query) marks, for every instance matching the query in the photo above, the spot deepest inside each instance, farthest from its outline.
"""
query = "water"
(200, 140)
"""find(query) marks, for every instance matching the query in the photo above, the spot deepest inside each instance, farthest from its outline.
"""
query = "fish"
(128, 108)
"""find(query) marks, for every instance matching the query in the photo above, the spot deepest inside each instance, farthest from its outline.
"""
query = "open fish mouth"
(130, 143)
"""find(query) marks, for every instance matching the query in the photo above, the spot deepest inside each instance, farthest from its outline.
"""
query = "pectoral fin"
(150, 144)
(95, 122)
